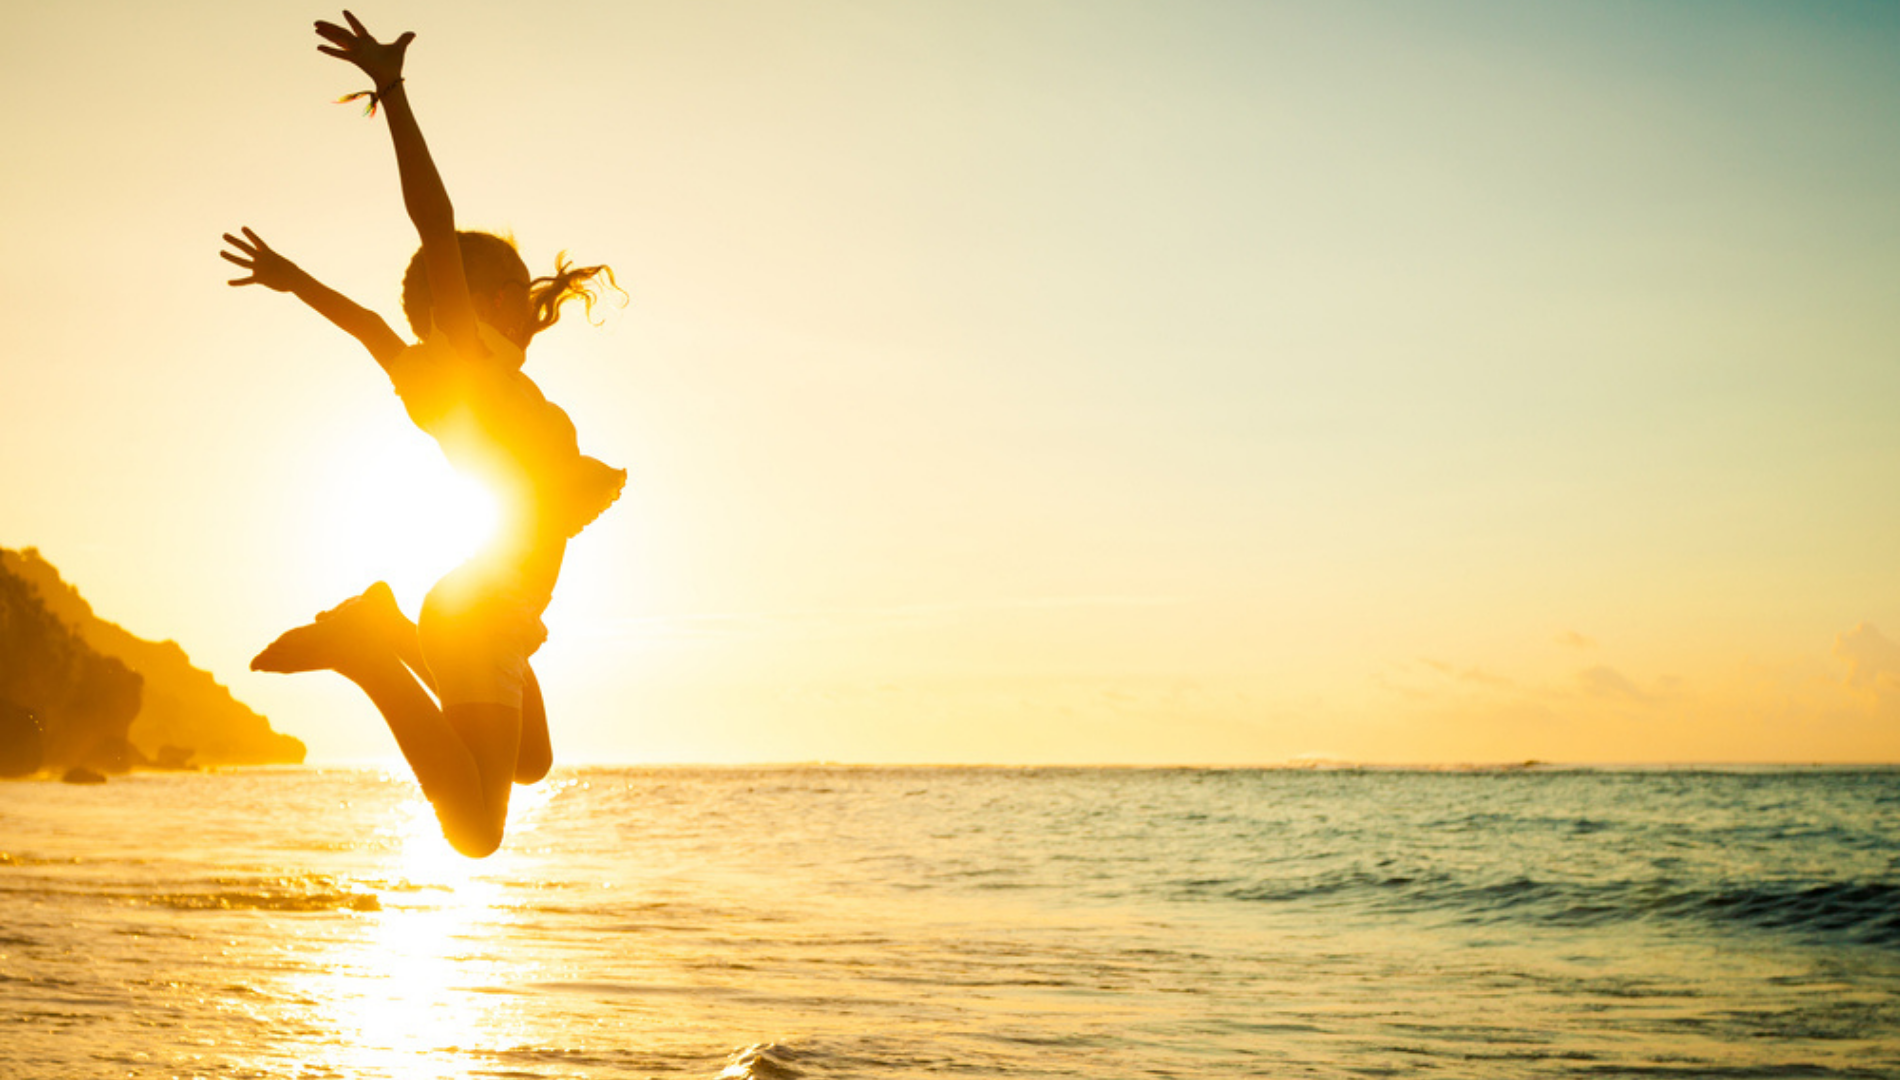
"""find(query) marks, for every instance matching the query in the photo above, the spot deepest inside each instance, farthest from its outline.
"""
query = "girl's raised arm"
(267, 268)
(422, 192)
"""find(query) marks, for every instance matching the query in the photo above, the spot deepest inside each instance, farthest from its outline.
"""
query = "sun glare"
(397, 513)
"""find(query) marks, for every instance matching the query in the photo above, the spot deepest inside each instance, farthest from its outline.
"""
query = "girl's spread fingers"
(240, 281)
(253, 237)
(238, 259)
(355, 24)
(333, 32)
(236, 243)
(338, 53)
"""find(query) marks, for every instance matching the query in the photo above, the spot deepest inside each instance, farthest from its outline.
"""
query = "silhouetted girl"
(471, 302)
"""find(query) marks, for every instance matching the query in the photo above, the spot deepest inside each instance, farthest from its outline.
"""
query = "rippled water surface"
(987, 922)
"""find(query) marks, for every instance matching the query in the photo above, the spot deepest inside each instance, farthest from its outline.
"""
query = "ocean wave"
(1859, 912)
(762, 1061)
(9, 859)
(243, 900)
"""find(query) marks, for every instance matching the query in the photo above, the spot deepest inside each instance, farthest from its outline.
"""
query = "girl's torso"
(495, 424)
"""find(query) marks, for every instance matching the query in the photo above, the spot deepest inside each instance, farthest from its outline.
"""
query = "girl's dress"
(482, 621)
(494, 423)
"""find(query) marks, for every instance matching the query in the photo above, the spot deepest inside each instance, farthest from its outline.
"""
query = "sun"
(393, 510)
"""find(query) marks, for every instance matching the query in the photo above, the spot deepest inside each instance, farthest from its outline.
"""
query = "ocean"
(901, 922)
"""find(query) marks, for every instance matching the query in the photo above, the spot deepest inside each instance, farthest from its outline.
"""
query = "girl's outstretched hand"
(267, 268)
(381, 61)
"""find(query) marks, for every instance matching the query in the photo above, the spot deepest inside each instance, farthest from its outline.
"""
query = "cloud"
(804, 622)
(1597, 686)
(1579, 706)
(1576, 640)
(1609, 683)
(1469, 675)
(1873, 662)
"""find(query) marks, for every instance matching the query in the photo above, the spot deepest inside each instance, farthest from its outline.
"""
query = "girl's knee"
(470, 830)
(478, 848)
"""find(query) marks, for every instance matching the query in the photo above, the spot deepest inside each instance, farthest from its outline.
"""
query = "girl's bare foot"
(358, 627)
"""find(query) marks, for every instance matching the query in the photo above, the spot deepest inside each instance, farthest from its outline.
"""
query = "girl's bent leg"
(441, 762)
(536, 755)
(492, 735)
(463, 756)
(452, 752)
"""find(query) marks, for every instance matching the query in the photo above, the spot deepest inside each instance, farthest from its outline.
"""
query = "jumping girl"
(469, 299)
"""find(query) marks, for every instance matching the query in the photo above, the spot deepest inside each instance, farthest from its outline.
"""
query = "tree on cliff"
(85, 702)
(183, 708)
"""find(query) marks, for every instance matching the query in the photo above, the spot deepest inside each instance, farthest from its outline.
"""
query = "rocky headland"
(78, 691)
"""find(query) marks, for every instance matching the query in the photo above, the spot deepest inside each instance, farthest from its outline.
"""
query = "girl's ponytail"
(568, 282)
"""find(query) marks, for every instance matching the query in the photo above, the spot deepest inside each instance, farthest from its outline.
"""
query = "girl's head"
(505, 297)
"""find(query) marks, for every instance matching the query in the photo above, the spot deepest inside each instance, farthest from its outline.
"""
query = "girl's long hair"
(489, 261)
(568, 282)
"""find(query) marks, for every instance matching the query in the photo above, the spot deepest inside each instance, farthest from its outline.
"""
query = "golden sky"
(1020, 382)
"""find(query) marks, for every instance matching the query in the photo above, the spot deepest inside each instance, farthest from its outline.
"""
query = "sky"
(1005, 382)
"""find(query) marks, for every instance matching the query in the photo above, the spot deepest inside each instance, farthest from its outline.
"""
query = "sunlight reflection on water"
(421, 988)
